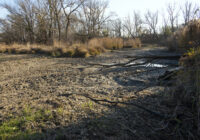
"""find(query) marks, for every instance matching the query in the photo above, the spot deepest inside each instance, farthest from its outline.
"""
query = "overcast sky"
(125, 7)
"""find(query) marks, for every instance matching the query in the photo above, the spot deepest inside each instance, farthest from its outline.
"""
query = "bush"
(93, 51)
(81, 52)
(95, 42)
(133, 43)
(186, 37)
(112, 43)
(2, 49)
(186, 90)
(186, 94)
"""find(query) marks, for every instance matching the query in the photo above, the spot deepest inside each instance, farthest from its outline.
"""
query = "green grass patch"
(25, 126)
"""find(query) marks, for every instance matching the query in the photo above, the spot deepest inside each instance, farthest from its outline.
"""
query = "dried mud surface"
(52, 83)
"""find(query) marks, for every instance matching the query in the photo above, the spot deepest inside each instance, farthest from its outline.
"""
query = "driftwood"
(133, 61)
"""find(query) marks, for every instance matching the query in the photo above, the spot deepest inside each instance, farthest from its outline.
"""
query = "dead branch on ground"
(133, 62)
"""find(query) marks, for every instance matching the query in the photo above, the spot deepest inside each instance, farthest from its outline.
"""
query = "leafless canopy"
(133, 25)
(152, 21)
(173, 13)
(188, 11)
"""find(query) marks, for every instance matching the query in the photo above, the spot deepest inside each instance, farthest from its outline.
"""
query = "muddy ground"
(61, 83)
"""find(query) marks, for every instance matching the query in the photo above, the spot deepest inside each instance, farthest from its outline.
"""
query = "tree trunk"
(67, 28)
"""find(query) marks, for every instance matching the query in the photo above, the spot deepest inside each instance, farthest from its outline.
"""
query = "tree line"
(43, 21)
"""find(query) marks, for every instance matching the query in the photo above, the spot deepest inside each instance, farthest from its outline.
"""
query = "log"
(131, 63)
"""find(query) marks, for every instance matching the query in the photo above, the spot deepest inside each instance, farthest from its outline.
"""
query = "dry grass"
(112, 44)
(59, 49)
(133, 43)
(107, 43)
(186, 95)
(186, 37)
(186, 92)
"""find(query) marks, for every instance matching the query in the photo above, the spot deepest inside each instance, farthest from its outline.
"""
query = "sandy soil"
(52, 83)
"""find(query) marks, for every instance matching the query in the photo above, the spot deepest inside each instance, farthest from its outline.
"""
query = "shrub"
(186, 37)
(56, 53)
(70, 53)
(133, 43)
(93, 51)
(95, 42)
(81, 52)
(186, 90)
(2, 49)
(100, 49)
(111, 43)
(186, 93)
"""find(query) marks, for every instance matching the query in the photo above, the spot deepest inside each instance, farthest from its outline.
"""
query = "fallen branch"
(124, 103)
(136, 58)
(170, 57)
(130, 104)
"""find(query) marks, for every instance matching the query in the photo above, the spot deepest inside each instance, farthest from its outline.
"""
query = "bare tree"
(93, 17)
(152, 21)
(69, 7)
(55, 15)
(173, 14)
(117, 27)
(165, 29)
(21, 20)
(133, 26)
(188, 11)
(197, 13)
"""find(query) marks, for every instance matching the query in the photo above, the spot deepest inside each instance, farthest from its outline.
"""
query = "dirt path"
(61, 83)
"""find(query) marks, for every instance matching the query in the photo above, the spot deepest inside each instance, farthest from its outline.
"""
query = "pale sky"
(125, 7)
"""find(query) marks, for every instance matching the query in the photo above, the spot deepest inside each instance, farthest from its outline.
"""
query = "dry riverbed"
(56, 98)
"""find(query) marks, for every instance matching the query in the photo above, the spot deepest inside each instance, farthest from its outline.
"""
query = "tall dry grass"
(187, 94)
(186, 37)
(133, 43)
(107, 43)
(94, 47)
(186, 91)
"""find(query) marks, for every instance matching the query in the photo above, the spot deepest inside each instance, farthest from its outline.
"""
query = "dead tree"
(152, 21)
(188, 11)
(173, 14)
(133, 25)
(117, 27)
(93, 17)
